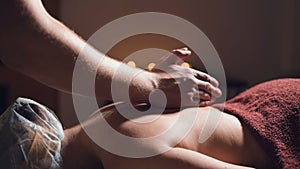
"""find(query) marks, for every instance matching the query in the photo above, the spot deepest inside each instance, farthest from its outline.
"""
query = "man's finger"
(176, 56)
(205, 77)
(182, 53)
(209, 88)
(205, 103)
(201, 95)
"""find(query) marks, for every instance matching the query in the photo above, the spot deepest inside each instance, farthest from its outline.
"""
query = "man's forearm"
(47, 50)
(33, 44)
(41, 47)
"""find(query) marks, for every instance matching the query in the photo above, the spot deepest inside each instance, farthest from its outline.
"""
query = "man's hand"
(184, 86)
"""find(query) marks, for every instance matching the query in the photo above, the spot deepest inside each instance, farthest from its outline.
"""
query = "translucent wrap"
(30, 137)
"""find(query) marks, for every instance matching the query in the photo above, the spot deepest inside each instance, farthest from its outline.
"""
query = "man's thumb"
(176, 56)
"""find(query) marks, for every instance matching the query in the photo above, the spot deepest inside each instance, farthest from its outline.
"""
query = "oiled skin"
(230, 145)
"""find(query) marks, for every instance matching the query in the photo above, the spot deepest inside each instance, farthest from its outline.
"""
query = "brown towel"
(271, 111)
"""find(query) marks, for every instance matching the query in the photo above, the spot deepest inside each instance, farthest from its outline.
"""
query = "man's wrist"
(141, 87)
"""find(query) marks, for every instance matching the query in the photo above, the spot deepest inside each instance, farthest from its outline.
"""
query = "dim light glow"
(185, 64)
(151, 66)
(131, 64)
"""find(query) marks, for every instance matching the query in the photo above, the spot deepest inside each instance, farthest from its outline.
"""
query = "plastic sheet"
(30, 137)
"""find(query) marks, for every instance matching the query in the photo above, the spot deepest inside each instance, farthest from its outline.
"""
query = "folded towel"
(271, 111)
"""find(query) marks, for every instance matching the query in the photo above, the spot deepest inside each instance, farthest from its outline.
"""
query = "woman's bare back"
(229, 141)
